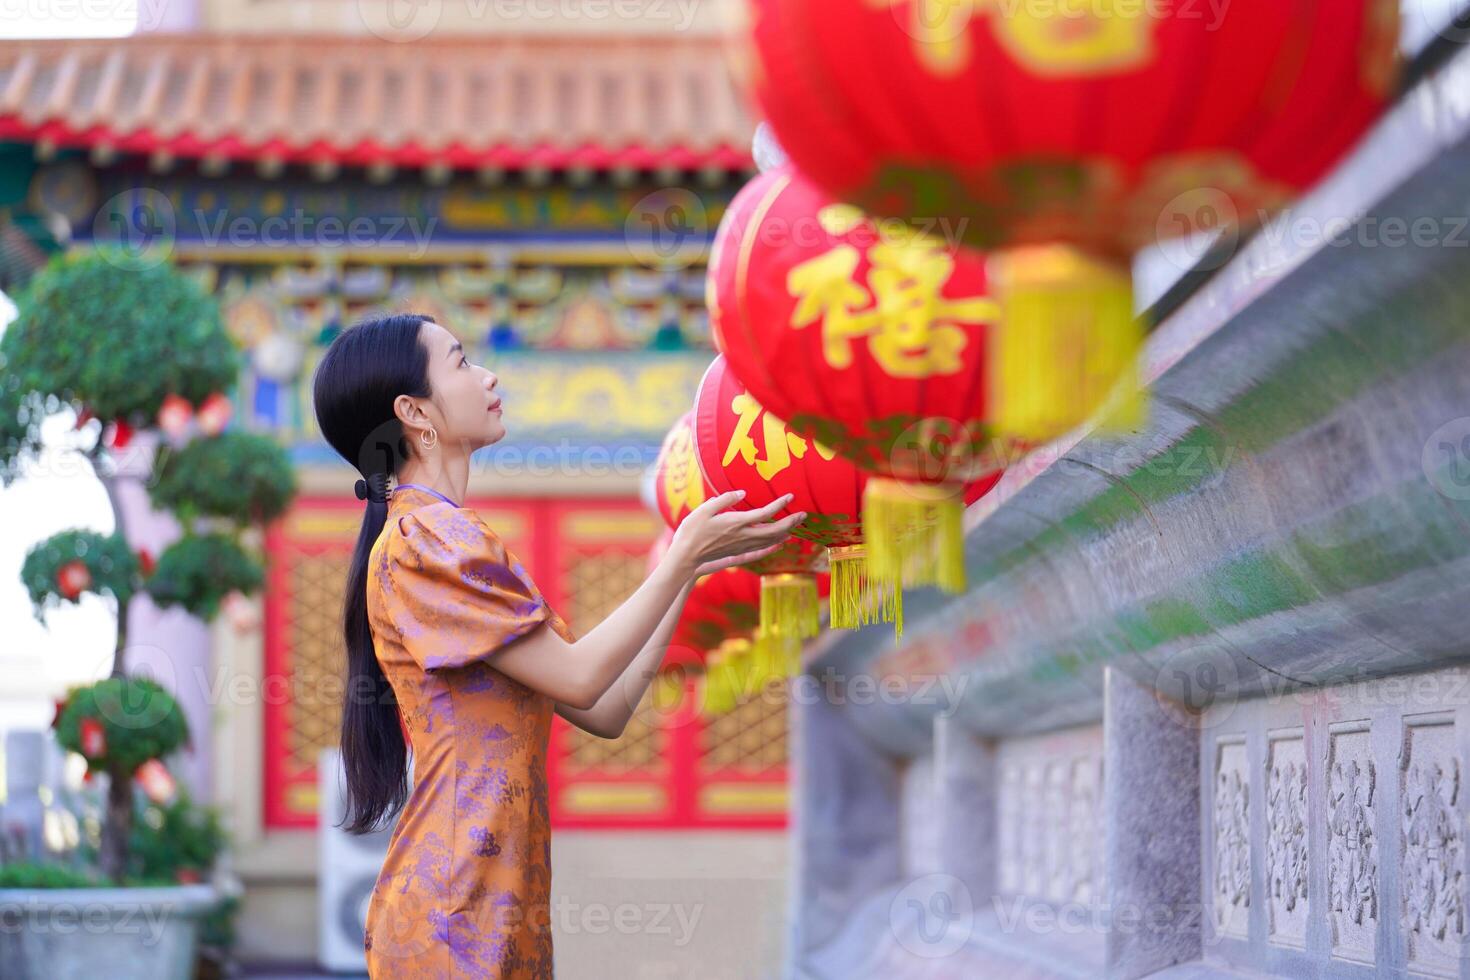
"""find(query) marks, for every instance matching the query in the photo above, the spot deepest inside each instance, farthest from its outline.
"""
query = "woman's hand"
(713, 537)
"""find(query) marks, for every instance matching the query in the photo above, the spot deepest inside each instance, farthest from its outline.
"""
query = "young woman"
(452, 650)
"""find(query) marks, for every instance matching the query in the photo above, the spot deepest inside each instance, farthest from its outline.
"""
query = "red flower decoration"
(94, 739)
(119, 435)
(157, 782)
(214, 414)
(174, 415)
(73, 578)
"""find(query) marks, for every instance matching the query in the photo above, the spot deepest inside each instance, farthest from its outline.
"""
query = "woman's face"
(464, 392)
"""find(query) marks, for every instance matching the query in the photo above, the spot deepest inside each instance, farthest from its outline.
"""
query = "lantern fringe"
(777, 655)
(730, 676)
(668, 689)
(915, 533)
(857, 598)
(1067, 346)
(790, 605)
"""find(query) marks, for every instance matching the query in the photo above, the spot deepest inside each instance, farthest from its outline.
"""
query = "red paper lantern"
(713, 611)
(678, 486)
(790, 584)
(741, 446)
(1105, 124)
(879, 345)
(735, 665)
(719, 634)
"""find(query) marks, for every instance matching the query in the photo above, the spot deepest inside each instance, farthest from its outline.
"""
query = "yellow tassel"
(915, 533)
(857, 598)
(668, 689)
(1067, 346)
(789, 605)
(778, 655)
(729, 677)
(717, 699)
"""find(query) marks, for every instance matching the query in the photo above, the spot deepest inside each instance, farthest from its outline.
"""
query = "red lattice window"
(671, 768)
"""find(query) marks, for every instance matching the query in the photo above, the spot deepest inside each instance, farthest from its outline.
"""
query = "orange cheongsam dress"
(465, 890)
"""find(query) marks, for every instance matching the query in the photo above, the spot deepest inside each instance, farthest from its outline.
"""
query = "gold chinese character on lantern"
(780, 444)
(912, 329)
(683, 486)
(1059, 37)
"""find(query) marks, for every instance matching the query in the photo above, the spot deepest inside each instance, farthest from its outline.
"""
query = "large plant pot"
(91, 933)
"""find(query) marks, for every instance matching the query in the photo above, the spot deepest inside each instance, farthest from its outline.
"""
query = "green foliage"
(34, 874)
(241, 476)
(199, 570)
(113, 565)
(176, 841)
(118, 339)
(114, 335)
(140, 721)
(21, 413)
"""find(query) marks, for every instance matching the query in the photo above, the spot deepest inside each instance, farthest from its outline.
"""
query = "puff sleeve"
(458, 594)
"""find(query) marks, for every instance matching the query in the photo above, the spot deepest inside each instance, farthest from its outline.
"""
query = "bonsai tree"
(131, 347)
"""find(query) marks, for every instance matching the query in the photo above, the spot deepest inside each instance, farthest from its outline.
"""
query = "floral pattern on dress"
(465, 889)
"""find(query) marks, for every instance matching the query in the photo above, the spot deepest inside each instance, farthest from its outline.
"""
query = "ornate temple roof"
(496, 103)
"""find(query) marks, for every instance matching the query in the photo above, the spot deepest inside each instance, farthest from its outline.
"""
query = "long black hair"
(368, 366)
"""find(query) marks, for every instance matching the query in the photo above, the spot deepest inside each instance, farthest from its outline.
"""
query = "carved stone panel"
(1033, 829)
(1286, 839)
(1231, 884)
(1055, 816)
(1084, 832)
(1012, 813)
(1432, 846)
(1352, 842)
(1050, 812)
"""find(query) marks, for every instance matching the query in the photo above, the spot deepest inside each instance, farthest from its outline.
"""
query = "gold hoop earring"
(424, 438)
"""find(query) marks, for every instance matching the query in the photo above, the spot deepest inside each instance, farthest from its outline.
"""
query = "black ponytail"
(368, 366)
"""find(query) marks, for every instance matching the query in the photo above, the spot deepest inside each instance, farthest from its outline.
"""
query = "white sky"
(38, 662)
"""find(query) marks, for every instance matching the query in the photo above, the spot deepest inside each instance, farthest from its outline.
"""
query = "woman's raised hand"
(713, 537)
